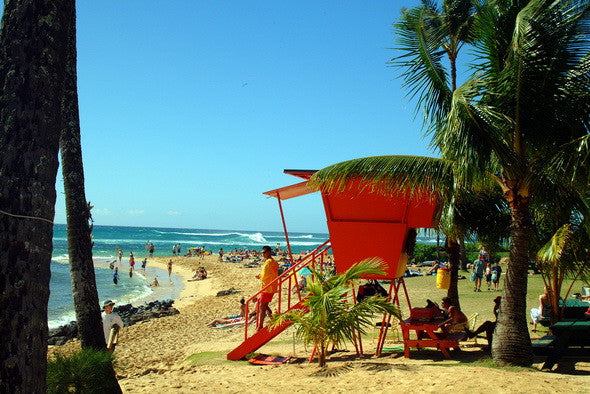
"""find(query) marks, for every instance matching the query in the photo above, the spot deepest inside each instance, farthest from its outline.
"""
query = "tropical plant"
(425, 35)
(529, 96)
(83, 371)
(565, 255)
(332, 317)
(33, 49)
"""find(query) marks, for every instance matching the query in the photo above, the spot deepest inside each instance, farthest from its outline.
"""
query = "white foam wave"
(291, 236)
(62, 258)
(62, 320)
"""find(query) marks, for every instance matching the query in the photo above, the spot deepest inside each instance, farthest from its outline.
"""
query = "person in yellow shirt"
(270, 271)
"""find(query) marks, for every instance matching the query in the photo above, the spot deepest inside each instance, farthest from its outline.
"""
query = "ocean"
(136, 289)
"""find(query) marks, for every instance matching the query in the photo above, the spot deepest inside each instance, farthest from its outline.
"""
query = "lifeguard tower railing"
(289, 297)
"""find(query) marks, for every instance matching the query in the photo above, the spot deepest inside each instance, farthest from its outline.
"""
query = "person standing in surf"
(116, 275)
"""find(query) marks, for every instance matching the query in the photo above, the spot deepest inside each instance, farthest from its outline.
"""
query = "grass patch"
(208, 358)
(488, 362)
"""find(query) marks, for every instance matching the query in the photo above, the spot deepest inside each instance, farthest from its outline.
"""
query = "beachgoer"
(169, 268)
(131, 272)
(478, 267)
(220, 254)
(131, 260)
(120, 254)
(234, 318)
(143, 264)
(484, 255)
(544, 310)
(116, 275)
(110, 319)
(270, 271)
(174, 250)
(112, 264)
(489, 276)
(458, 321)
(178, 249)
(155, 283)
(152, 250)
(488, 326)
(496, 272)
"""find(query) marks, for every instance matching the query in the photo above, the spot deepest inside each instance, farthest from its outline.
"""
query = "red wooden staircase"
(289, 298)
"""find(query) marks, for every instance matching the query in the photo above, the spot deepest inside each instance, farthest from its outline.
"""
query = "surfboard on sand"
(113, 337)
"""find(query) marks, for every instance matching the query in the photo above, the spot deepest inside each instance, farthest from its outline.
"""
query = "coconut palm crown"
(528, 98)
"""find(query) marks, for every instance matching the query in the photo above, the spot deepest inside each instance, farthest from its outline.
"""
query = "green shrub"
(84, 371)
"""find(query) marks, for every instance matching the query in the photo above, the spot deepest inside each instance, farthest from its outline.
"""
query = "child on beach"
(169, 269)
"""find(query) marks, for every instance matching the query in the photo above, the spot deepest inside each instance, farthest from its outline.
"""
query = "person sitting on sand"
(234, 318)
(200, 274)
(155, 283)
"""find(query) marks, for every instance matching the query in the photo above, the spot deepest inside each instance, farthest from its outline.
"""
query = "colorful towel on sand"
(240, 322)
(263, 359)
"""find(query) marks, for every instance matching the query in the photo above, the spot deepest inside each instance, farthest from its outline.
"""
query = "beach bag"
(494, 276)
(473, 276)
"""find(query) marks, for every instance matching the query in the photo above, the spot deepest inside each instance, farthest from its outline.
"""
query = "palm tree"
(33, 47)
(528, 97)
(78, 214)
(564, 255)
(425, 34)
(331, 319)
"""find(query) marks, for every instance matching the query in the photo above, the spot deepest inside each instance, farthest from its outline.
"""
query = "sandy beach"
(181, 354)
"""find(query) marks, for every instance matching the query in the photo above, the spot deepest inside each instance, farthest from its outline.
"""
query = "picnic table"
(571, 337)
(427, 336)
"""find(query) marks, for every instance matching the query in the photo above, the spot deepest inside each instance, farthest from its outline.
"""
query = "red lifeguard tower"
(362, 224)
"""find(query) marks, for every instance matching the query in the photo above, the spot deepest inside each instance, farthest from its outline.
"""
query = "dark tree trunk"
(453, 248)
(512, 343)
(462, 256)
(32, 63)
(78, 214)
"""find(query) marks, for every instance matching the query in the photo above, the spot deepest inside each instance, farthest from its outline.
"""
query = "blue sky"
(191, 109)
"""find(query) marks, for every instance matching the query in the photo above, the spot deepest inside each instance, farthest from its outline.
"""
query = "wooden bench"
(542, 346)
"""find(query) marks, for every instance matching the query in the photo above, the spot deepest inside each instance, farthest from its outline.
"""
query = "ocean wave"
(291, 236)
(62, 320)
(62, 258)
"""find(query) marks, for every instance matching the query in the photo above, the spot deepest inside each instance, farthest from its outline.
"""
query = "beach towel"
(263, 359)
(236, 323)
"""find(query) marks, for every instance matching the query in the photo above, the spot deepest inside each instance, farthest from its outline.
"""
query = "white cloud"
(173, 213)
(102, 212)
(135, 212)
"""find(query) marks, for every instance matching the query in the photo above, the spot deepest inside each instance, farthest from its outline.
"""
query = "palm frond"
(420, 38)
(552, 250)
(388, 174)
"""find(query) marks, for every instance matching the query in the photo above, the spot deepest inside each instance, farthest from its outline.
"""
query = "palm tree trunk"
(462, 256)
(78, 214)
(32, 53)
(512, 343)
(322, 355)
(453, 249)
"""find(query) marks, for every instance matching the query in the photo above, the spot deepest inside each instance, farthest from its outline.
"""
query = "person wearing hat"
(110, 319)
